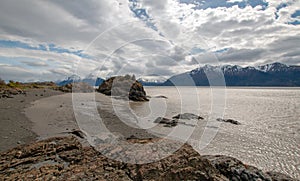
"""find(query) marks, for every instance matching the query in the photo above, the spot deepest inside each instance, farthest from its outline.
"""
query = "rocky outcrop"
(235, 170)
(178, 119)
(10, 92)
(125, 87)
(276, 176)
(66, 159)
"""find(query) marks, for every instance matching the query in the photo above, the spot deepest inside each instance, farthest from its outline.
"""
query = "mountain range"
(274, 74)
(91, 80)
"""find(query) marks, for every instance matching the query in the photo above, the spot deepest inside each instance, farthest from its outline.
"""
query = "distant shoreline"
(241, 87)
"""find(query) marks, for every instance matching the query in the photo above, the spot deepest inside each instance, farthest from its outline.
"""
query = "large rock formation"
(234, 169)
(123, 86)
(66, 159)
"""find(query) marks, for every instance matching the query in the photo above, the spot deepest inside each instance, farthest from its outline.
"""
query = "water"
(269, 136)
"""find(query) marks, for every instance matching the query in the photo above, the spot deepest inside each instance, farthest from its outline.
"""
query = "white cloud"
(123, 42)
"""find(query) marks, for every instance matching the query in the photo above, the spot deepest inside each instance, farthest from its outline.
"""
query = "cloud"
(143, 36)
(241, 55)
(35, 63)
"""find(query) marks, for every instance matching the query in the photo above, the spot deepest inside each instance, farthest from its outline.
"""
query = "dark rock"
(163, 97)
(65, 159)
(234, 169)
(78, 133)
(229, 121)
(7, 96)
(125, 87)
(167, 122)
(276, 176)
(187, 116)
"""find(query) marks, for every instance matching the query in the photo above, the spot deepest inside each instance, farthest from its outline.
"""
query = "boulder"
(235, 170)
(64, 158)
(167, 122)
(125, 87)
(276, 176)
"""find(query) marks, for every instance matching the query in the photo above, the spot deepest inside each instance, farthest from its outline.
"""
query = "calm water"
(269, 136)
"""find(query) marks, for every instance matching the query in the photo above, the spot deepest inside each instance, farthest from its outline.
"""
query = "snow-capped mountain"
(90, 79)
(275, 74)
(273, 67)
(68, 80)
(152, 80)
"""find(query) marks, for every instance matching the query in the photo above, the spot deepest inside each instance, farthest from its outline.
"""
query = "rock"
(234, 169)
(163, 97)
(188, 116)
(178, 119)
(167, 122)
(229, 121)
(78, 133)
(7, 96)
(65, 159)
(276, 176)
(125, 87)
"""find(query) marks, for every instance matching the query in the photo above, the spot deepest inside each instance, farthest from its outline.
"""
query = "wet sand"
(15, 127)
(35, 117)
(54, 116)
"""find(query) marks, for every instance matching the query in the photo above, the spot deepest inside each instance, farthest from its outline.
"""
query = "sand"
(54, 116)
(15, 127)
(34, 117)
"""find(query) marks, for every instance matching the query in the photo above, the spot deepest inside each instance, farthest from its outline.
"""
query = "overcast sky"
(50, 40)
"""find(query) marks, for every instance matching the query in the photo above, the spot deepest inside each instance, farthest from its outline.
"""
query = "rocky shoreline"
(68, 158)
(64, 158)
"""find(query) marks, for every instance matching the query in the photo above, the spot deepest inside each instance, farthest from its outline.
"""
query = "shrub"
(2, 82)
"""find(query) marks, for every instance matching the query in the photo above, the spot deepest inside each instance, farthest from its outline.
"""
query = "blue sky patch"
(296, 22)
(142, 14)
(18, 44)
(56, 49)
(205, 4)
(52, 48)
(222, 50)
(296, 14)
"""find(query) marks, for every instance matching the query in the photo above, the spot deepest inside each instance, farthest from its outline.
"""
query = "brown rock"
(65, 159)
(125, 87)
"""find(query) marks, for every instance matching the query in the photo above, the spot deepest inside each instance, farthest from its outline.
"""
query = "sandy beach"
(15, 127)
(48, 116)
(42, 114)
(54, 116)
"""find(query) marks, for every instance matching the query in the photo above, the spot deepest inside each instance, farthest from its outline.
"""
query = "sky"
(51, 40)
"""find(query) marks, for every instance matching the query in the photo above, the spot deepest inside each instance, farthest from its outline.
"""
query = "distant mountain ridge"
(91, 80)
(275, 74)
